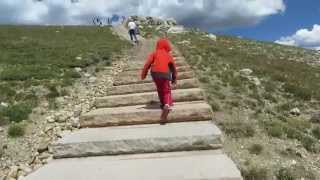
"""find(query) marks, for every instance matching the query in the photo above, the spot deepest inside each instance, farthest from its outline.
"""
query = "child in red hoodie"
(163, 71)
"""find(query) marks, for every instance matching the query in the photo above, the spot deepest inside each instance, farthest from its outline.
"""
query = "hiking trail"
(121, 139)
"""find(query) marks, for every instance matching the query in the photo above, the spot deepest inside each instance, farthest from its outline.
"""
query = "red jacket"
(161, 62)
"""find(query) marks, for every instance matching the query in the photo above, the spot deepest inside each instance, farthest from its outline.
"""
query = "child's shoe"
(164, 115)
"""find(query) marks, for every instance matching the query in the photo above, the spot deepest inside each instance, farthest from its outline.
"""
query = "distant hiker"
(109, 21)
(123, 19)
(132, 31)
(163, 71)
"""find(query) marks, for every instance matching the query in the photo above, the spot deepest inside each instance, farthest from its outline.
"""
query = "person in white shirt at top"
(132, 30)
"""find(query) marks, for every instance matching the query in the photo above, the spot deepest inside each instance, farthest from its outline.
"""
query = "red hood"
(163, 44)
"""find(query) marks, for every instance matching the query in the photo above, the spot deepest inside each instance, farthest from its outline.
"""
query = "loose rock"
(44, 145)
(3, 104)
(92, 79)
(246, 72)
(176, 30)
(13, 173)
(295, 112)
(78, 69)
(256, 81)
(212, 37)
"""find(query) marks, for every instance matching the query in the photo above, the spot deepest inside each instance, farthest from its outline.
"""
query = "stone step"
(138, 72)
(149, 87)
(145, 114)
(139, 66)
(194, 165)
(126, 80)
(139, 139)
(179, 95)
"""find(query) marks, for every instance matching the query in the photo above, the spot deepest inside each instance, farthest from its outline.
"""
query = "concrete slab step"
(139, 66)
(199, 165)
(179, 95)
(125, 80)
(149, 87)
(139, 139)
(138, 71)
(144, 114)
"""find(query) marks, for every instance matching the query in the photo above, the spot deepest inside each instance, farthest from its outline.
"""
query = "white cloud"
(200, 13)
(303, 38)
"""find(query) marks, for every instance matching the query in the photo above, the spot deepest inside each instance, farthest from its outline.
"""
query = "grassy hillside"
(38, 62)
(253, 87)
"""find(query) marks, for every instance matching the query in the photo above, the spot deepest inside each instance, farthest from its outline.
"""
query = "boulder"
(212, 37)
(185, 43)
(13, 173)
(171, 22)
(154, 21)
(246, 72)
(256, 81)
(295, 112)
(92, 79)
(3, 104)
(43, 146)
(177, 30)
(78, 69)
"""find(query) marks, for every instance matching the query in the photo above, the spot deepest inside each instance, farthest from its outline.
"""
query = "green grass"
(46, 56)
(286, 83)
(297, 78)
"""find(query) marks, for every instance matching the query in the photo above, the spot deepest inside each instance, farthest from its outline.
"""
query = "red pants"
(164, 91)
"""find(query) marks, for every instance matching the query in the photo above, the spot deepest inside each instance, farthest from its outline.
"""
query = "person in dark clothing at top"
(164, 73)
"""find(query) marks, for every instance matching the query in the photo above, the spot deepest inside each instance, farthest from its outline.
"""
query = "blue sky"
(299, 14)
(289, 22)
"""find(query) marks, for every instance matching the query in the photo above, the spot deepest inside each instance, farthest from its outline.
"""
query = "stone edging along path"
(122, 140)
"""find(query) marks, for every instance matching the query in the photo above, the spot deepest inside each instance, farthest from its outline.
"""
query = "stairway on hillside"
(122, 140)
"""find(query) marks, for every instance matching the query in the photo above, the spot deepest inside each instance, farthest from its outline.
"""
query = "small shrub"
(298, 91)
(234, 103)
(269, 96)
(285, 107)
(238, 129)
(256, 149)
(6, 93)
(285, 174)
(204, 79)
(18, 112)
(275, 131)
(16, 130)
(53, 92)
(316, 132)
(295, 172)
(255, 173)
(310, 144)
(72, 74)
(293, 133)
(299, 124)
(236, 81)
(215, 106)
(1, 151)
(270, 86)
